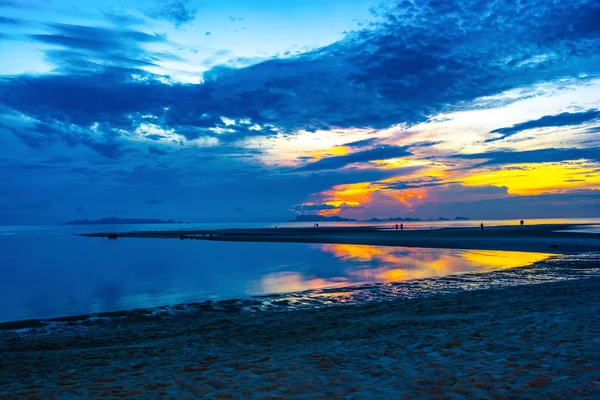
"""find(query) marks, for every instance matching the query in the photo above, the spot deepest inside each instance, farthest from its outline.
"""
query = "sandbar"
(533, 238)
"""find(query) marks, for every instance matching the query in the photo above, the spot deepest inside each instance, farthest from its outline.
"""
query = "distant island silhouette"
(393, 219)
(320, 218)
(122, 221)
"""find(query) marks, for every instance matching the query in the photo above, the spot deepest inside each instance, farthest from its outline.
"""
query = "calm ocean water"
(46, 271)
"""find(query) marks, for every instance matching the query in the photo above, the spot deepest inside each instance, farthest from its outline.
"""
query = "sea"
(50, 271)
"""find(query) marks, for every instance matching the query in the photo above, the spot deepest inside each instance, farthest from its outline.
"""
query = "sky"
(250, 111)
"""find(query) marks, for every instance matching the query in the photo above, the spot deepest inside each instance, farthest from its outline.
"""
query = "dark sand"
(533, 238)
(534, 341)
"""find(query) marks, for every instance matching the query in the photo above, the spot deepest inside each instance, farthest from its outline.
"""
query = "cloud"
(362, 143)
(9, 21)
(311, 208)
(179, 12)
(560, 205)
(595, 129)
(416, 63)
(95, 38)
(124, 19)
(42, 134)
(419, 60)
(78, 48)
(430, 181)
(336, 162)
(10, 4)
(564, 119)
(532, 156)
(476, 202)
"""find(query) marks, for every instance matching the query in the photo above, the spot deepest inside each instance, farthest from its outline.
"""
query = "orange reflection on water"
(286, 282)
(353, 252)
(502, 259)
(392, 264)
(361, 264)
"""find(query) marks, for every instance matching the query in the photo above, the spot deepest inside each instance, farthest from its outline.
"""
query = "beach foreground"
(539, 341)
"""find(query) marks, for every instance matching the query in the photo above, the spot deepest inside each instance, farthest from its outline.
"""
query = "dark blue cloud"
(337, 162)
(80, 100)
(421, 59)
(179, 12)
(10, 4)
(362, 143)
(40, 135)
(564, 119)
(9, 21)
(96, 39)
(532, 156)
(154, 202)
(595, 129)
(313, 207)
(318, 181)
(83, 49)
(124, 19)
(431, 181)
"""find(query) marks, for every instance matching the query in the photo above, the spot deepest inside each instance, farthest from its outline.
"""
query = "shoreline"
(518, 341)
(552, 269)
(530, 238)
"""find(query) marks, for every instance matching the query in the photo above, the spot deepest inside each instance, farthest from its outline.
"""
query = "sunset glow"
(249, 112)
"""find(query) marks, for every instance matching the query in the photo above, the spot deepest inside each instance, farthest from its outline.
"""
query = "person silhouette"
(396, 226)
(401, 227)
(522, 222)
(482, 227)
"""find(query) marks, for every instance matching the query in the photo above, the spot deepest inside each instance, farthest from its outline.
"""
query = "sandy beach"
(533, 238)
(533, 341)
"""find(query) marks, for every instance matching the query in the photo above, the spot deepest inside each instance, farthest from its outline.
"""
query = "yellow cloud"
(401, 163)
(333, 151)
(532, 179)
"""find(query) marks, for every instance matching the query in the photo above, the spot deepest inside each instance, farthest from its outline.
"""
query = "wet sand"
(534, 238)
(533, 341)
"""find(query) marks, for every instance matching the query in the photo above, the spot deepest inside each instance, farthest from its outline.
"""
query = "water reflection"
(51, 275)
(383, 264)
(285, 282)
